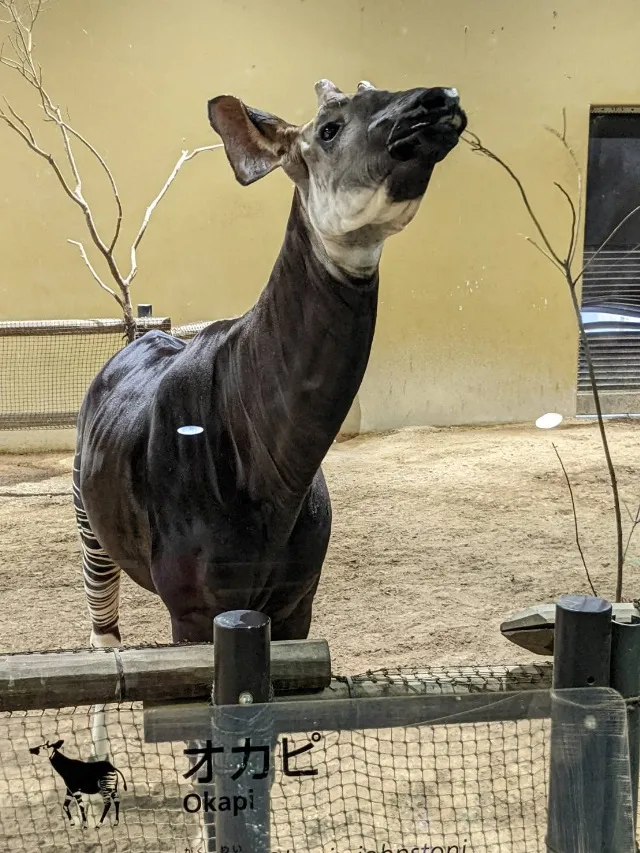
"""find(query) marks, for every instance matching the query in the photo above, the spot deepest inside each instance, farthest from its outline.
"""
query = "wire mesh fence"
(456, 786)
(46, 366)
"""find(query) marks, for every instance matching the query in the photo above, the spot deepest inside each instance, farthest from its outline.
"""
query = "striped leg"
(78, 798)
(108, 786)
(101, 577)
(66, 809)
(109, 791)
(100, 574)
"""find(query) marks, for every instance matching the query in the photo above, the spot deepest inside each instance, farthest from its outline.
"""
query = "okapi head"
(361, 166)
(51, 748)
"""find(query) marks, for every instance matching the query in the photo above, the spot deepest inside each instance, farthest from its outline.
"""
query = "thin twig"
(575, 520)
(601, 247)
(44, 154)
(109, 175)
(94, 273)
(21, 121)
(629, 513)
(477, 146)
(573, 236)
(542, 252)
(634, 523)
(603, 438)
(184, 157)
(564, 263)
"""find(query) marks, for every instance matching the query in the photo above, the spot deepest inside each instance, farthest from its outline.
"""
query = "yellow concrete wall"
(474, 326)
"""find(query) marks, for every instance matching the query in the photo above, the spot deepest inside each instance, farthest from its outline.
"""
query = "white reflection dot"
(590, 722)
(190, 430)
(549, 421)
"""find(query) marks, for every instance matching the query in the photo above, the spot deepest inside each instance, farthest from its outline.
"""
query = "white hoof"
(104, 641)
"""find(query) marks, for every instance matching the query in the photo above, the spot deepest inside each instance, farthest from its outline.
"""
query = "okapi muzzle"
(416, 129)
(423, 121)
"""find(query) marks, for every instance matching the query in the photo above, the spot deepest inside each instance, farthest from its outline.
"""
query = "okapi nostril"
(439, 99)
(434, 103)
(403, 150)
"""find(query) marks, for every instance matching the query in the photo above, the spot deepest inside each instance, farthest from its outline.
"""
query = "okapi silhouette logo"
(84, 777)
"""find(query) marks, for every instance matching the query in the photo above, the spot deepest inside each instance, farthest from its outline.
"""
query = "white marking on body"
(190, 430)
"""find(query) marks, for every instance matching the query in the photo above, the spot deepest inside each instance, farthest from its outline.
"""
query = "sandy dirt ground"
(438, 535)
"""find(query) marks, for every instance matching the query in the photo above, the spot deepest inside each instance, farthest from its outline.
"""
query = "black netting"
(46, 366)
(464, 786)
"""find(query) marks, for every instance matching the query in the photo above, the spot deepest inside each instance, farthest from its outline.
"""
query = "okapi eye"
(329, 130)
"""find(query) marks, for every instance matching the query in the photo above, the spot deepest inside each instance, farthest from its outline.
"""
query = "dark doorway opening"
(611, 283)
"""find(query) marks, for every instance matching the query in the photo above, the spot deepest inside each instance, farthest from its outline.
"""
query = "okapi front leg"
(66, 809)
(80, 804)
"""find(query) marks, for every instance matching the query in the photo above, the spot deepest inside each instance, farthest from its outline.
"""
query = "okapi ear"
(255, 142)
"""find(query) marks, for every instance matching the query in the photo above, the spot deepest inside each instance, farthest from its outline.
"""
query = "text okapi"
(194, 803)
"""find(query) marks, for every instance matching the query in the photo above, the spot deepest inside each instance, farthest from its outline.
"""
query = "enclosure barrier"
(46, 680)
(394, 760)
(366, 774)
(46, 366)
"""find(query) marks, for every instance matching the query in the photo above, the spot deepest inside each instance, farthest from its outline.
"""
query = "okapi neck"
(300, 239)
(308, 340)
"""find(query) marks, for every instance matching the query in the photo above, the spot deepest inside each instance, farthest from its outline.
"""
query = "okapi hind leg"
(101, 578)
(78, 798)
(106, 797)
(100, 574)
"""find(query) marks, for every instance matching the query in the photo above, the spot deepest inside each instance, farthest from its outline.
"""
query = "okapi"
(236, 514)
(84, 777)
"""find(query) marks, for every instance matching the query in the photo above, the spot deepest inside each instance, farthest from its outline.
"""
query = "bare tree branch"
(564, 263)
(477, 147)
(635, 522)
(23, 63)
(94, 273)
(578, 215)
(110, 178)
(573, 236)
(629, 513)
(27, 136)
(575, 520)
(184, 157)
(542, 252)
(21, 121)
(601, 247)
